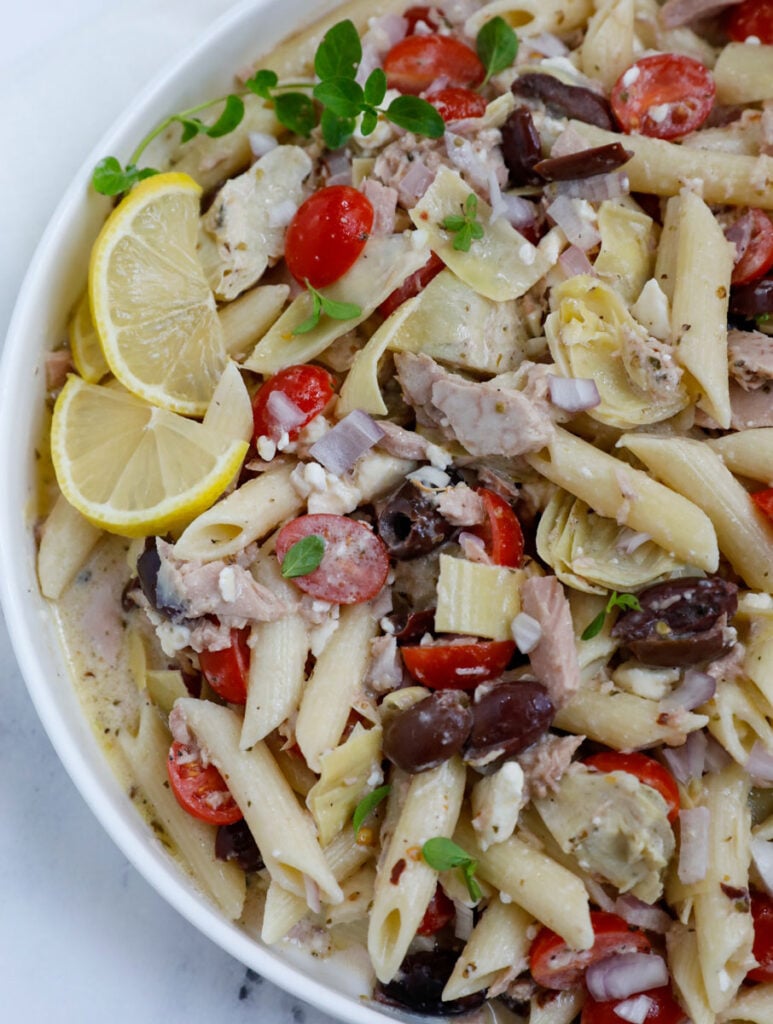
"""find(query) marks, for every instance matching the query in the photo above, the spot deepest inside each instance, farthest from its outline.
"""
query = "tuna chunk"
(750, 354)
(383, 199)
(554, 660)
(545, 762)
(461, 505)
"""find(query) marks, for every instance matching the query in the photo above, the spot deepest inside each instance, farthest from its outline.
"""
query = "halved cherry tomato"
(650, 772)
(327, 234)
(412, 285)
(226, 671)
(438, 914)
(413, 64)
(664, 1009)
(554, 965)
(750, 18)
(200, 791)
(354, 566)
(443, 666)
(431, 17)
(764, 501)
(501, 532)
(666, 96)
(762, 915)
(454, 104)
(757, 258)
(308, 387)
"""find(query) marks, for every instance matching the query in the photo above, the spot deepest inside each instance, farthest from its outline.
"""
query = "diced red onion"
(630, 541)
(463, 920)
(599, 896)
(573, 261)
(261, 143)
(760, 765)
(527, 632)
(283, 413)
(515, 209)
(565, 213)
(595, 189)
(474, 548)
(696, 688)
(573, 394)
(716, 757)
(430, 478)
(688, 761)
(568, 142)
(625, 974)
(642, 915)
(547, 44)
(693, 844)
(349, 439)
(463, 155)
(675, 13)
(634, 1010)
(417, 180)
(762, 855)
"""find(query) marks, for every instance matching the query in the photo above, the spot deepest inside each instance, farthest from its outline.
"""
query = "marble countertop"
(84, 939)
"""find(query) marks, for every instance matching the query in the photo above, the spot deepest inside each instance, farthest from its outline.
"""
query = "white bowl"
(53, 283)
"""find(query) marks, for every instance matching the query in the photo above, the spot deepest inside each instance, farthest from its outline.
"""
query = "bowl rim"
(24, 607)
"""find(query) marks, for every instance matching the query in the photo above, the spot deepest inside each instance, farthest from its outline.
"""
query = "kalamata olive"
(419, 983)
(410, 524)
(235, 842)
(428, 733)
(521, 147)
(752, 300)
(565, 100)
(681, 621)
(505, 721)
(148, 564)
(410, 627)
(585, 163)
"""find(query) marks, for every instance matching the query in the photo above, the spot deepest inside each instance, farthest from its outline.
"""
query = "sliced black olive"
(521, 147)
(565, 100)
(148, 564)
(505, 721)
(409, 523)
(428, 733)
(236, 842)
(751, 300)
(586, 163)
(410, 627)
(419, 985)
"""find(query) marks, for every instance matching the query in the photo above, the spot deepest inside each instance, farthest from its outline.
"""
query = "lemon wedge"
(85, 345)
(133, 468)
(151, 304)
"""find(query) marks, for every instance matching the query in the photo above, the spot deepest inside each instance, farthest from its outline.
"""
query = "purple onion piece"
(696, 688)
(340, 448)
(762, 855)
(688, 761)
(285, 415)
(642, 915)
(760, 765)
(625, 974)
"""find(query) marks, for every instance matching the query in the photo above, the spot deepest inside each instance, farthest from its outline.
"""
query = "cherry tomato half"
(226, 671)
(413, 64)
(412, 285)
(650, 772)
(757, 257)
(762, 915)
(354, 566)
(200, 791)
(554, 965)
(666, 96)
(309, 387)
(500, 532)
(454, 104)
(664, 1009)
(764, 501)
(750, 18)
(327, 234)
(457, 666)
(438, 914)
(431, 17)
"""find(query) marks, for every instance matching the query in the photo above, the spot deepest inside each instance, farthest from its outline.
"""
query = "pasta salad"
(410, 527)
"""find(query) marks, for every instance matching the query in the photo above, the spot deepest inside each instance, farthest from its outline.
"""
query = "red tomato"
(750, 18)
(226, 671)
(309, 387)
(412, 285)
(438, 914)
(455, 104)
(757, 258)
(457, 666)
(671, 96)
(413, 64)
(199, 790)
(664, 1009)
(354, 566)
(431, 17)
(327, 234)
(762, 914)
(554, 965)
(764, 501)
(650, 772)
(501, 532)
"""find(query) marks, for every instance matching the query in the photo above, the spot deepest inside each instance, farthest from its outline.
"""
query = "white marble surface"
(82, 937)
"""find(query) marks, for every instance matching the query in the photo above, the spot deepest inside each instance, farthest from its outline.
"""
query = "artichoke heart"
(591, 334)
(592, 553)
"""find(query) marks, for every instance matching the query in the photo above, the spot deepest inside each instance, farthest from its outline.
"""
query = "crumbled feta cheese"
(659, 112)
(496, 802)
(266, 448)
(226, 583)
(630, 76)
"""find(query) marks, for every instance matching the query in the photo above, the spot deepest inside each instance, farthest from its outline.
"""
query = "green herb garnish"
(465, 225)
(322, 304)
(497, 46)
(444, 854)
(367, 804)
(622, 601)
(303, 557)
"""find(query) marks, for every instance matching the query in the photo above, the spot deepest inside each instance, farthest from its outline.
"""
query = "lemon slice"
(133, 468)
(152, 307)
(85, 346)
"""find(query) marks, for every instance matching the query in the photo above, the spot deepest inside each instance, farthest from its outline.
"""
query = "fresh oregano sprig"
(367, 805)
(622, 601)
(466, 226)
(444, 854)
(497, 46)
(303, 557)
(330, 307)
